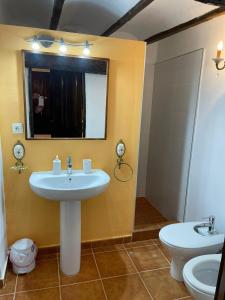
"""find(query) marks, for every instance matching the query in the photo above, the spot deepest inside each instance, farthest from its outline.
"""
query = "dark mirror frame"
(75, 56)
(220, 288)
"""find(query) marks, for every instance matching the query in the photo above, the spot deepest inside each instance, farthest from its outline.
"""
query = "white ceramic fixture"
(69, 189)
(184, 243)
(200, 276)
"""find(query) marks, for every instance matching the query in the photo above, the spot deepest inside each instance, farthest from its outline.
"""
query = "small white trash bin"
(22, 256)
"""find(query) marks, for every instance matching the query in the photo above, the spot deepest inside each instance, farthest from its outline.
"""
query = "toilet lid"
(199, 262)
(183, 235)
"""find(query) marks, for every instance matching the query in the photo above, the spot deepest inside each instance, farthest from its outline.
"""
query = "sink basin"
(70, 190)
(77, 186)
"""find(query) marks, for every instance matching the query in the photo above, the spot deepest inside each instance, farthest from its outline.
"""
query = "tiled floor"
(131, 271)
(146, 216)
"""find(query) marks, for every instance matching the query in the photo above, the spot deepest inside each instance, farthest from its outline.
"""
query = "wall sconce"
(218, 59)
(47, 41)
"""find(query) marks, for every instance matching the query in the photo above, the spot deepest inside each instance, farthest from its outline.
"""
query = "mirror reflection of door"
(68, 104)
(40, 101)
(65, 97)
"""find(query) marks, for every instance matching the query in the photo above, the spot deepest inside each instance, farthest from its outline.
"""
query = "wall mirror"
(65, 96)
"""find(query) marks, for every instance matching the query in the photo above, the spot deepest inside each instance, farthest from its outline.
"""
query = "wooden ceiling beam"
(181, 27)
(127, 17)
(56, 13)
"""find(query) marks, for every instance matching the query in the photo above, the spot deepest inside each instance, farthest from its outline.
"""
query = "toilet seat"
(182, 235)
(198, 264)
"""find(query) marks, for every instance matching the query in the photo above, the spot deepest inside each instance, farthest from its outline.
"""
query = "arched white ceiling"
(92, 16)
(161, 15)
(33, 13)
(95, 16)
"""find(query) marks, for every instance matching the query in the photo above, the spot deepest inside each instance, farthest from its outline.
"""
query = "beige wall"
(108, 215)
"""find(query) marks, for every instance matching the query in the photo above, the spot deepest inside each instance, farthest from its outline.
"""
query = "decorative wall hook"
(120, 151)
(19, 153)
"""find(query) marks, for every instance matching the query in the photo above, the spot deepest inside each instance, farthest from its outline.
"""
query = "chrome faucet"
(210, 224)
(69, 163)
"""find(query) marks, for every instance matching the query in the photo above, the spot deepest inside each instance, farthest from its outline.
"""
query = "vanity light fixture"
(86, 50)
(62, 47)
(47, 41)
(218, 59)
(35, 44)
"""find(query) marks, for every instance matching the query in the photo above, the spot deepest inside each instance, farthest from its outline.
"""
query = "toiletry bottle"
(87, 165)
(56, 169)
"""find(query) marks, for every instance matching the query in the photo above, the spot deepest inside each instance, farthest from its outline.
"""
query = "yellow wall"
(112, 213)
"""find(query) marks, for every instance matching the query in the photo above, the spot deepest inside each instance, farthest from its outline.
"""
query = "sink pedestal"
(69, 191)
(70, 237)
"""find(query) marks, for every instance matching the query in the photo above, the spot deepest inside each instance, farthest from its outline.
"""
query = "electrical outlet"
(17, 128)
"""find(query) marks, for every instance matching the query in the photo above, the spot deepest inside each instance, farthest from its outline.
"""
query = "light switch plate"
(17, 128)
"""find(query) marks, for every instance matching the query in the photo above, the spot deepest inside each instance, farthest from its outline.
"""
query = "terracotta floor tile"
(48, 294)
(162, 286)
(146, 214)
(108, 248)
(86, 251)
(9, 284)
(147, 258)
(163, 249)
(46, 256)
(165, 252)
(88, 271)
(128, 287)
(83, 291)
(139, 244)
(114, 263)
(7, 297)
(44, 275)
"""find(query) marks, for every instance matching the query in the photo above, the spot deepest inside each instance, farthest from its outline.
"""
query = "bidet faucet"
(69, 163)
(210, 224)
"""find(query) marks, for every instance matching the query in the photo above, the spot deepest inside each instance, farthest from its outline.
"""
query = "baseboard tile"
(136, 236)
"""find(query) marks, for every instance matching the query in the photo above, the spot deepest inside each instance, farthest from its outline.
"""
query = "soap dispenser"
(56, 168)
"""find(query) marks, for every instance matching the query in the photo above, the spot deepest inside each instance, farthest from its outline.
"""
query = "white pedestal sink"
(69, 190)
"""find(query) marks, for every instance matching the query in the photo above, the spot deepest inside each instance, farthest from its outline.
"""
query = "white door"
(3, 243)
(175, 96)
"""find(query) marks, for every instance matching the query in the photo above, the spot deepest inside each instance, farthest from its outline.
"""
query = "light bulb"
(220, 46)
(35, 44)
(219, 49)
(62, 47)
(86, 50)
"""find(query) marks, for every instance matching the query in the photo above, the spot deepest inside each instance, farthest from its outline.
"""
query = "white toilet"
(184, 243)
(200, 276)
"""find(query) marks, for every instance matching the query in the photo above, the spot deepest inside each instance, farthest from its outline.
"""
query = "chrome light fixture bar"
(47, 41)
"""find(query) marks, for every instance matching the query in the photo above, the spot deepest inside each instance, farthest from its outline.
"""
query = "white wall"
(3, 242)
(96, 93)
(206, 189)
(145, 126)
